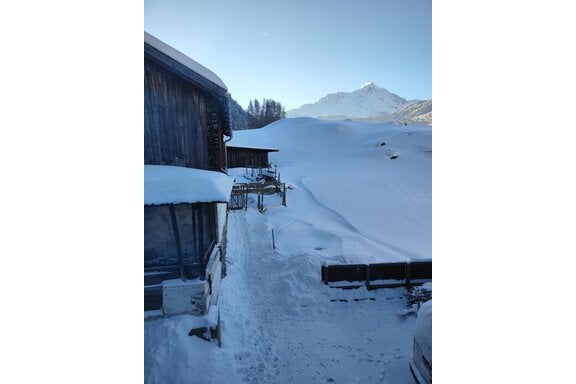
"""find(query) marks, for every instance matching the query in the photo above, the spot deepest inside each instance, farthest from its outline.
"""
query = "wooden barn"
(185, 110)
(251, 157)
(186, 188)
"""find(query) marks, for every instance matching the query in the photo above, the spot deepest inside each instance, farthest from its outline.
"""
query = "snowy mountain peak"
(368, 101)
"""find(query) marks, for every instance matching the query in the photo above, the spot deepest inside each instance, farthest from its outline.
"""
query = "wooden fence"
(239, 196)
(373, 276)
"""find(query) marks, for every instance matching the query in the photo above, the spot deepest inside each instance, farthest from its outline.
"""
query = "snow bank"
(171, 356)
(165, 184)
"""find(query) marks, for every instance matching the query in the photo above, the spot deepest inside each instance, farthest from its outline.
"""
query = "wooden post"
(222, 259)
(273, 241)
(284, 194)
(219, 329)
(368, 277)
(407, 275)
(177, 239)
(195, 233)
(260, 202)
(202, 245)
(324, 273)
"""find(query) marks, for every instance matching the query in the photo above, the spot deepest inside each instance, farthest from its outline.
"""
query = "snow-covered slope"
(368, 185)
(415, 112)
(370, 100)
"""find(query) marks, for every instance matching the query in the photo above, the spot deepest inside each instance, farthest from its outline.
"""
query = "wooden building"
(185, 110)
(251, 157)
(186, 189)
(185, 213)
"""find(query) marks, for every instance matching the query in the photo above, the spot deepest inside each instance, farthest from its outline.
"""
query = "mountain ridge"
(370, 102)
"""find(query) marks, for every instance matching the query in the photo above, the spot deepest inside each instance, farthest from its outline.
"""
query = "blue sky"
(297, 51)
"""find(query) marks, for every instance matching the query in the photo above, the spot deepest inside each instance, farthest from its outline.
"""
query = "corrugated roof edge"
(184, 60)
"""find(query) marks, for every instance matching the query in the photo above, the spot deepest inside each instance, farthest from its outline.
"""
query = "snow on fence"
(374, 276)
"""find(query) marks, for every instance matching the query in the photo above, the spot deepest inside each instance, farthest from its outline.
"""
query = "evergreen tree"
(264, 113)
(250, 108)
(257, 111)
(239, 119)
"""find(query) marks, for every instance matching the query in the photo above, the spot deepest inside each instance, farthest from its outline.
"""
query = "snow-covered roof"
(167, 184)
(184, 60)
(254, 148)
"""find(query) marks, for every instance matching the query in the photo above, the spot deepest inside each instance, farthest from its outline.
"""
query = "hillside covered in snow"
(375, 208)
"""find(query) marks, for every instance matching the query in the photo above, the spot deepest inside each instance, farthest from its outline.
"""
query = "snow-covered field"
(360, 192)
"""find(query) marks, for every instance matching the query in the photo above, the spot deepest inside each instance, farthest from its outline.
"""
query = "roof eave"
(158, 52)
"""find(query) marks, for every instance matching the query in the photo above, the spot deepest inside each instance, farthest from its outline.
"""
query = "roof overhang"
(263, 149)
(180, 64)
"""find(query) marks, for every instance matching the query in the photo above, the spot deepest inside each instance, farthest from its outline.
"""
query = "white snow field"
(360, 193)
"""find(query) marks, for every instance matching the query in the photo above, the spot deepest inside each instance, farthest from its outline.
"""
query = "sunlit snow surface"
(349, 202)
(349, 196)
(164, 184)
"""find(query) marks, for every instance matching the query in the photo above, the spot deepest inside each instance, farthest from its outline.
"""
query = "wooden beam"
(178, 243)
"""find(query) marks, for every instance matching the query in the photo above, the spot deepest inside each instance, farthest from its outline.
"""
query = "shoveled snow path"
(284, 326)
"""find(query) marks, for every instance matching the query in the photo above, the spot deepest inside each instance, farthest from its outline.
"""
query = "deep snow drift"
(359, 192)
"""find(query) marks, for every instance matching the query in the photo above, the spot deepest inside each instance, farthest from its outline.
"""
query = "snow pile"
(165, 184)
(424, 325)
(171, 356)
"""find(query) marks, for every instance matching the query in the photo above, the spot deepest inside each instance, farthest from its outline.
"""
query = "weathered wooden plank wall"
(176, 126)
(245, 157)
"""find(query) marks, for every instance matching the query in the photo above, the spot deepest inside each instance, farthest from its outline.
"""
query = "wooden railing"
(373, 276)
(239, 195)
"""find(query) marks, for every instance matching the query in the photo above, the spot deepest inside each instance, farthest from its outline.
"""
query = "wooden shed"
(186, 188)
(185, 212)
(244, 156)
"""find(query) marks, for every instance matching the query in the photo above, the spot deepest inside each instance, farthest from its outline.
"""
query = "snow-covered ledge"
(167, 184)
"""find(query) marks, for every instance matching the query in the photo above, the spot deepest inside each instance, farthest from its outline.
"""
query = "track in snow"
(281, 325)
